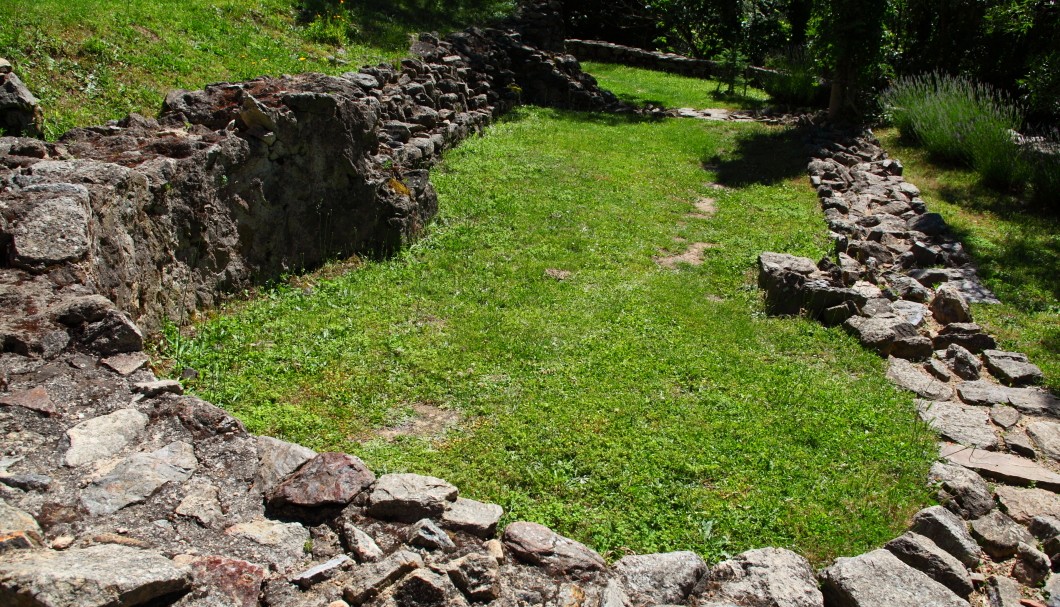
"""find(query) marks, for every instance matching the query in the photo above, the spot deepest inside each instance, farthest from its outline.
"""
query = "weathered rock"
(1000, 466)
(965, 364)
(1002, 591)
(1004, 415)
(138, 476)
(1019, 443)
(1046, 436)
(766, 576)
(126, 364)
(660, 578)
(910, 376)
(948, 306)
(372, 578)
(1032, 565)
(938, 370)
(97, 576)
(157, 387)
(426, 534)
(879, 579)
(360, 544)
(20, 113)
(1012, 368)
(34, 399)
(27, 482)
(289, 536)
(424, 588)
(103, 436)
(277, 459)
(226, 582)
(477, 576)
(470, 516)
(1034, 401)
(983, 393)
(924, 555)
(50, 226)
(967, 335)
(1023, 505)
(538, 545)
(320, 572)
(962, 491)
(999, 535)
(949, 533)
(409, 497)
(18, 521)
(909, 289)
(202, 504)
(963, 424)
(880, 333)
(328, 481)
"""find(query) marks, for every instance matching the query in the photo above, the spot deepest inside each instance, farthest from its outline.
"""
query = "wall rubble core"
(117, 489)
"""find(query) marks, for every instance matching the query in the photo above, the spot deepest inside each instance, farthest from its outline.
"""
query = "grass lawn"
(639, 86)
(89, 61)
(1017, 251)
(531, 350)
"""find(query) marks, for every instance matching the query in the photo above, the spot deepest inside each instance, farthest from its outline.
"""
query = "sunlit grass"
(640, 86)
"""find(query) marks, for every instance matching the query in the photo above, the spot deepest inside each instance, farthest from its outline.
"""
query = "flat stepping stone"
(126, 364)
(1001, 466)
(999, 535)
(1012, 368)
(661, 579)
(1025, 504)
(910, 376)
(962, 424)
(1046, 436)
(880, 579)
(474, 517)
(97, 576)
(962, 490)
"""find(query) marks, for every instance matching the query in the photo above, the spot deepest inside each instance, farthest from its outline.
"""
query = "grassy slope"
(1018, 254)
(669, 90)
(89, 61)
(630, 406)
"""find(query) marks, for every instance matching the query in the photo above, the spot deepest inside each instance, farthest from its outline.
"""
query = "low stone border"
(117, 489)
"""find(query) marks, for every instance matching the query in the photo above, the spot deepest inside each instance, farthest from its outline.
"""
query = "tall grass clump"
(960, 120)
(796, 82)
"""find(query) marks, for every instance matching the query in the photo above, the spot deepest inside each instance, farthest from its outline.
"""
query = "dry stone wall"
(117, 489)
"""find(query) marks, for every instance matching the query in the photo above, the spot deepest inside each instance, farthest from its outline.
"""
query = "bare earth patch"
(705, 208)
(426, 421)
(557, 274)
(693, 256)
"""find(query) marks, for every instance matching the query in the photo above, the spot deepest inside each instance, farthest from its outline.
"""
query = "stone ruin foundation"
(117, 489)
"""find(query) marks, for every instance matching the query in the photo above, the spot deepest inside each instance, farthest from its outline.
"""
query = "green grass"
(1017, 251)
(639, 86)
(89, 61)
(630, 406)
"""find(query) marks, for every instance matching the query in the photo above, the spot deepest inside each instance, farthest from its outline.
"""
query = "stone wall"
(117, 489)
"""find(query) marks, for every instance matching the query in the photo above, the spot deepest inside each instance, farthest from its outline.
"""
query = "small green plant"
(796, 82)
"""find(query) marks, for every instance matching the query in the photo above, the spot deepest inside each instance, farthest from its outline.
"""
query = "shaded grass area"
(1016, 248)
(632, 407)
(640, 86)
(89, 61)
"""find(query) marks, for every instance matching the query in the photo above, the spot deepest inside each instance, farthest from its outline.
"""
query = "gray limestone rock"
(1002, 591)
(1019, 443)
(999, 535)
(1012, 368)
(983, 393)
(962, 491)
(470, 516)
(1025, 504)
(949, 306)
(51, 226)
(765, 576)
(103, 436)
(879, 579)
(660, 579)
(409, 497)
(98, 576)
(321, 572)
(1001, 466)
(19, 527)
(538, 545)
(425, 588)
(1046, 436)
(1004, 415)
(477, 576)
(913, 313)
(880, 333)
(924, 555)
(290, 537)
(910, 376)
(202, 504)
(426, 534)
(277, 459)
(949, 533)
(967, 335)
(138, 476)
(1034, 401)
(963, 424)
(965, 364)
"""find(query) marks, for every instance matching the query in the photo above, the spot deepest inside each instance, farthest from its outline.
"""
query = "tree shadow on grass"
(764, 156)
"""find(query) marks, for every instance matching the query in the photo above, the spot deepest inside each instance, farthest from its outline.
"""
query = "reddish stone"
(34, 399)
(238, 581)
(327, 480)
